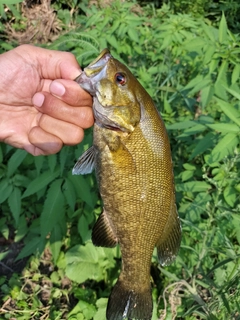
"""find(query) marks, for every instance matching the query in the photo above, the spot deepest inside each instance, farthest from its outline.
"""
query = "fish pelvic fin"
(169, 242)
(103, 234)
(86, 162)
(128, 304)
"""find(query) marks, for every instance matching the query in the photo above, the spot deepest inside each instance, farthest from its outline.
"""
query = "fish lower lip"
(107, 126)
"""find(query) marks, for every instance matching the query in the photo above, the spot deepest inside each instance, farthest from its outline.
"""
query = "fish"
(131, 157)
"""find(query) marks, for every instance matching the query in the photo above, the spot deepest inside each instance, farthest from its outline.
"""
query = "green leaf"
(189, 166)
(83, 229)
(201, 85)
(83, 189)
(52, 161)
(223, 36)
(15, 161)
(236, 74)
(236, 94)
(53, 209)
(229, 110)
(112, 41)
(224, 147)
(5, 190)
(69, 193)
(4, 254)
(181, 125)
(88, 310)
(193, 186)
(208, 56)
(39, 163)
(14, 202)
(230, 195)
(56, 242)
(63, 157)
(7, 2)
(193, 130)
(92, 262)
(222, 72)
(224, 127)
(209, 31)
(22, 229)
(40, 182)
(36, 245)
(133, 35)
(206, 95)
(101, 309)
(186, 175)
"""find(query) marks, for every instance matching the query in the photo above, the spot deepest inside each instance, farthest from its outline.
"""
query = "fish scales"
(132, 160)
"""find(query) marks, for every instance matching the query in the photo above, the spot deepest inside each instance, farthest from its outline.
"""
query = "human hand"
(41, 107)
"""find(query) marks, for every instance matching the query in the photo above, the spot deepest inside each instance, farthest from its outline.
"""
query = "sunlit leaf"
(206, 95)
(89, 259)
(193, 186)
(223, 29)
(236, 74)
(229, 110)
(224, 147)
(224, 127)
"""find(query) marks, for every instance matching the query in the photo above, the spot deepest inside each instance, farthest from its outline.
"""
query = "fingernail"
(38, 99)
(57, 88)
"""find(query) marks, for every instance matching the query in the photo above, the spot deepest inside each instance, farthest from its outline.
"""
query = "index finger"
(70, 92)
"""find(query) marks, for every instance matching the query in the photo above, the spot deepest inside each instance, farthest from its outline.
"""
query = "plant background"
(187, 56)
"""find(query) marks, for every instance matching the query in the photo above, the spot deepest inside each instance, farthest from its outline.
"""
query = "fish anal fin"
(125, 303)
(169, 242)
(86, 162)
(103, 234)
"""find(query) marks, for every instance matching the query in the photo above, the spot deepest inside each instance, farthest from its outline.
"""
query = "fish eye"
(120, 78)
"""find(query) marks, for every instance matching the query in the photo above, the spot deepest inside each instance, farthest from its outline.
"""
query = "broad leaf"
(53, 209)
(5, 190)
(35, 245)
(193, 186)
(40, 182)
(229, 110)
(14, 202)
(224, 127)
(56, 242)
(15, 161)
(224, 147)
(223, 29)
(87, 262)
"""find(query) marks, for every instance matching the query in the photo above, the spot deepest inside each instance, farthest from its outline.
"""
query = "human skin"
(41, 107)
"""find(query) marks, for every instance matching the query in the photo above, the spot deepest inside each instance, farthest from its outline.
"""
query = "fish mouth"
(94, 72)
(103, 121)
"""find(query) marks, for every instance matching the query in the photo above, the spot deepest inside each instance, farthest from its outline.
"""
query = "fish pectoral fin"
(86, 162)
(169, 242)
(103, 234)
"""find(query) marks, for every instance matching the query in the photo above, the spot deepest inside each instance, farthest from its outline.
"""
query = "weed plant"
(191, 69)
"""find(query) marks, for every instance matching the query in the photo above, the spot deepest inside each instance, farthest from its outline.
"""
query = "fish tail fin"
(127, 303)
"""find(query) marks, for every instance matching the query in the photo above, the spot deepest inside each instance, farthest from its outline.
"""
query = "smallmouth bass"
(132, 159)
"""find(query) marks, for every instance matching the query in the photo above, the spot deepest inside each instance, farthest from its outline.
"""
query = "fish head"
(115, 92)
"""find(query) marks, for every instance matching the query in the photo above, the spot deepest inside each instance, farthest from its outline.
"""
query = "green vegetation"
(191, 68)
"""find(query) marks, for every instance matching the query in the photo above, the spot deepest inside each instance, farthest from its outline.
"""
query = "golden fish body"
(132, 158)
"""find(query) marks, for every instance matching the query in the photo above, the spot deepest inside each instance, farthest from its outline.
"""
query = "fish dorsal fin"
(86, 162)
(169, 241)
(103, 234)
